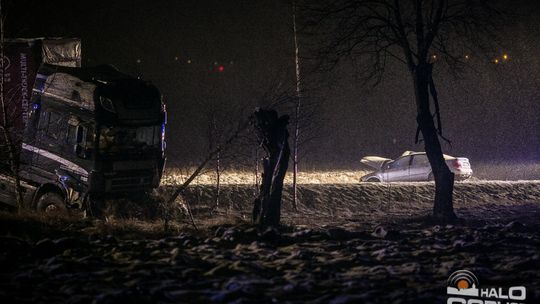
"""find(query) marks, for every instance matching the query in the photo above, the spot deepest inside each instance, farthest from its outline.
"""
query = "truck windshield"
(128, 140)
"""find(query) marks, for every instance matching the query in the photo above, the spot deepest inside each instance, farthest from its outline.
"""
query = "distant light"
(221, 68)
(215, 63)
(232, 62)
(138, 61)
(189, 61)
(434, 56)
(505, 56)
(496, 61)
(466, 56)
(176, 58)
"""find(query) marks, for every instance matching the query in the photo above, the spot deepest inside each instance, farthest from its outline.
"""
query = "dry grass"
(34, 226)
(364, 204)
(495, 170)
(31, 225)
(177, 176)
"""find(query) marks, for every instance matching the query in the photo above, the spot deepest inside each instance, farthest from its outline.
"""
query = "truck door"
(51, 133)
(40, 132)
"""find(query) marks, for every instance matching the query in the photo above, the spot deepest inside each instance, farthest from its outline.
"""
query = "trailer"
(22, 59)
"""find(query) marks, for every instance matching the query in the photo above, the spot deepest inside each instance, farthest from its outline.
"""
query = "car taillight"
(457, 164)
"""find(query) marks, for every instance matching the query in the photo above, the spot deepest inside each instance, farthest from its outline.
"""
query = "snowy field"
(346, 243)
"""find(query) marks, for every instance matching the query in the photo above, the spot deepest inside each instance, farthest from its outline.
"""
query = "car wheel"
(373, 180)
(51, 203)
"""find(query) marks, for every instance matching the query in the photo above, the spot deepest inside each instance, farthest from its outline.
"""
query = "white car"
(412, 167)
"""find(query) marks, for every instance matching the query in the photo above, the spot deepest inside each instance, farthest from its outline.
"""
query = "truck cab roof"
(115, 97)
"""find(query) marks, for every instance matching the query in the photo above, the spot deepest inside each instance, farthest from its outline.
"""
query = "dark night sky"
(490, 114)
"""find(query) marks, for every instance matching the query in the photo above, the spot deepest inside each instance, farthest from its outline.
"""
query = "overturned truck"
(85, 135)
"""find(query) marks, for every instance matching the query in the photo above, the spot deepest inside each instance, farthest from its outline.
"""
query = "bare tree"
(243, 126)
(304, 109)
(231, 136)
(256, 165)
(417, 33)
(296, 109)
(272, 132)
(214, 139)
(222, 121)
(10, 140)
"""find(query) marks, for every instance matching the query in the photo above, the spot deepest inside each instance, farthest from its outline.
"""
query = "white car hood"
(375, 162)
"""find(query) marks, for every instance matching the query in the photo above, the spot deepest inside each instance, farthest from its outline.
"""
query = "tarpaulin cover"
(64, 52)
(70, 89)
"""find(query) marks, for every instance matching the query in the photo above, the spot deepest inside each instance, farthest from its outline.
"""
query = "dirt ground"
(366, 243)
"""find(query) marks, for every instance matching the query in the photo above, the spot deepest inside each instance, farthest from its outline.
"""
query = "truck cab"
(92, 133)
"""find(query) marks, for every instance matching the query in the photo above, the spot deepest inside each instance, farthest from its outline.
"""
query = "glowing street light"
(496, 61)
(505, 56)
(467, 56)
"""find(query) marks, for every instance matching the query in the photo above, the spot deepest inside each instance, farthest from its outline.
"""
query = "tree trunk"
(296, 113)
(274, 135)
(218, 179)
(256, 190)
(443, 209)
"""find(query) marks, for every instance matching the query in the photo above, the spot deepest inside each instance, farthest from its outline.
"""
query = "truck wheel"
(51, 203)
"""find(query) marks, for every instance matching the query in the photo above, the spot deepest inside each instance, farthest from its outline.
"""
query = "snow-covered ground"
(371, 202)
(346, 243)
